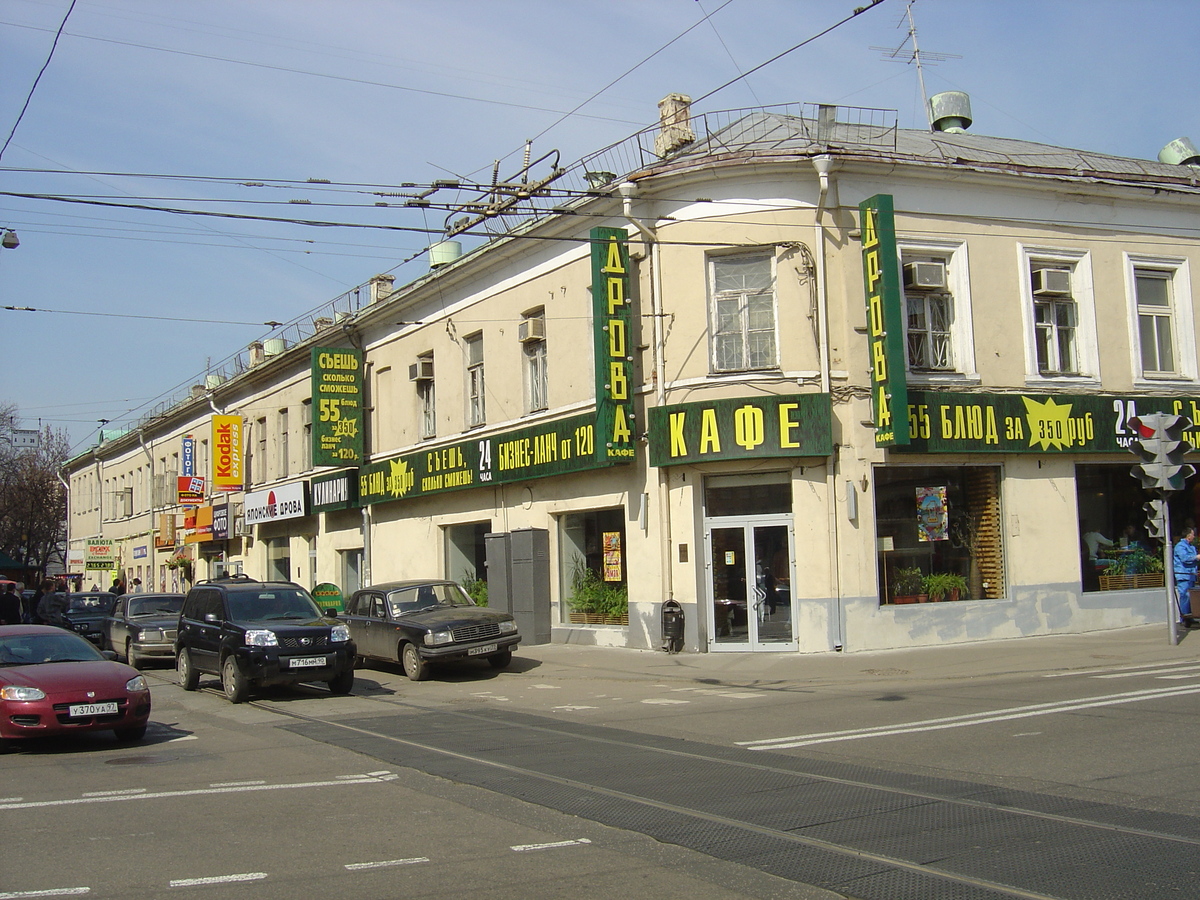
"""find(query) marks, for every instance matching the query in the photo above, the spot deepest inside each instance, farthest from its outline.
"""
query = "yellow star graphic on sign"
(1048, 423)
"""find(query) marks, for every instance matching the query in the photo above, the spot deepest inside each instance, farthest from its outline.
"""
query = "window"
(592, 567)
(475, 410)
(260, 456)
(537, 390)
(306, 435)
(1161, 312)
(938, 334)
(425, 399)
(743, 311)
(939, 533)
(284, 443)
(1059, 316)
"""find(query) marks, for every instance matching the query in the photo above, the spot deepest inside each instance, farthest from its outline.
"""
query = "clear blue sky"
(388, 91)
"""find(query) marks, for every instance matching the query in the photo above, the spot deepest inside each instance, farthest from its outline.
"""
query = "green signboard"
(337, 393)
(1032, 423)
(612, 324)
(741, 428)
(553, 448)
(885, 320)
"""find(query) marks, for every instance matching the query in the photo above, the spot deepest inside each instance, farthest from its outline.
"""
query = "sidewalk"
(1144, 645)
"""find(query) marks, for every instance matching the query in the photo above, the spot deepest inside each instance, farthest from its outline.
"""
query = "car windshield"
(428, 596)
(156, 606)
(32, 649)
(272, 604)
(92, 603)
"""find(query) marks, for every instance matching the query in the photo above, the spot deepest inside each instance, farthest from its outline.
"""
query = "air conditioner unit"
(533, 329)
(1051, 282)
(925, 276)
(421, 370)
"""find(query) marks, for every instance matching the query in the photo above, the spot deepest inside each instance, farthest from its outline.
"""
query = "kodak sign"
(228, 453)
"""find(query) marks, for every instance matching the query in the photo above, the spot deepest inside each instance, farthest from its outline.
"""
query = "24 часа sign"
(1032, 423)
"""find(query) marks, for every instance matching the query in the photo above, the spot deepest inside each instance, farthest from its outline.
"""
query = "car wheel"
(131, 656)
(342, 683)
(235, 683)
(501, 659)
(189, 678)
(134, 733)
(414, 667)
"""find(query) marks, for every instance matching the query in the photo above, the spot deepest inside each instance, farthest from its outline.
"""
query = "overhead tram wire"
(29, 97)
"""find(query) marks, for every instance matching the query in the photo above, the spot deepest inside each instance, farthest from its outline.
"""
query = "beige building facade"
(1042, 299)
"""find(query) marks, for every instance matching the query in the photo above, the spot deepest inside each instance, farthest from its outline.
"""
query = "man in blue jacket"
(1184, 556)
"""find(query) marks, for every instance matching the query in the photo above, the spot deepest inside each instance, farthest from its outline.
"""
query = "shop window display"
(592, 564)
(939, 533)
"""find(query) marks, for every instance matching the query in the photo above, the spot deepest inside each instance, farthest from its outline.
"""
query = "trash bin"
(672, 626)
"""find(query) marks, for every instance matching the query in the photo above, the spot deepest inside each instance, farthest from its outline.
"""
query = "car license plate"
(306, 662)
(486, 648)
(86, 710)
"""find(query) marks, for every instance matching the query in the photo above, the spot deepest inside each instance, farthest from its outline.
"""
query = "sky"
(241, 102)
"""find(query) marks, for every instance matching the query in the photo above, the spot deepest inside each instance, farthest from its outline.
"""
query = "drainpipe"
(649, 234)
(825, 165)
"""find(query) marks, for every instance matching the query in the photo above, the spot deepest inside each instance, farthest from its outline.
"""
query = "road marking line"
(1157, 665)
(11, 799)
(522, 848)
(1192, 668)
(981, 718)
(1177, 677)
(218, 879)
(190, 793)
(113, 793)
(546, 687)
(353, 867)
(236, 783)
(52, 892)
(574, 707)
(665, 702)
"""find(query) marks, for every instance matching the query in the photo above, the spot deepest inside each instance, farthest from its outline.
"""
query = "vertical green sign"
(885, 321)
(612, 323)
(337, 393)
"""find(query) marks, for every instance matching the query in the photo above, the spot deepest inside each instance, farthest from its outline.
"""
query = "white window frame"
(1087, 344)
(537, 382)
(476, 408)
(1183, 331)
(426, 404)
(767, 253)
(962, 329)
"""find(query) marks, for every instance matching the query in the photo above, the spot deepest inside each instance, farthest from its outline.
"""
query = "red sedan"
(54, 682)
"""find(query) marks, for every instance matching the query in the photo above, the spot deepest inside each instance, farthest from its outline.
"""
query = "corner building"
(827, 383)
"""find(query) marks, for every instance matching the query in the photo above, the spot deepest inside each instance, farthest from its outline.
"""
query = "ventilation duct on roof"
(1180, 152)
(443, 253)
(950, 111)
(675, 124)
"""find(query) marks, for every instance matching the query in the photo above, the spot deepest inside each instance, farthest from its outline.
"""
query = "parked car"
(86, 611)
(54, 682)
(419, 623)
(142, 627)
(256, 633)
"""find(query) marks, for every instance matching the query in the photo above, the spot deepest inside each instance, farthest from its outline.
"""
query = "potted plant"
(183, 564)
(593, 601)
(908, 584)
(1136, 568)
(945, 586)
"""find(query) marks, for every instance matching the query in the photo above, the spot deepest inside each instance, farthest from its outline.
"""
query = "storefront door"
(750, 566)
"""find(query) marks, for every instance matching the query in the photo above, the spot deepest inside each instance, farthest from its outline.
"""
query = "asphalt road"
(587, 772)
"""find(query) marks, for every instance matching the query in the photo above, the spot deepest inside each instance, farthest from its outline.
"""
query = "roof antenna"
(918, 57)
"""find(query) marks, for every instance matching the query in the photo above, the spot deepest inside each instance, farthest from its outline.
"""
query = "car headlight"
(137, 684)
(261, 637)
(439, 637)
(339, 633)
(19, 692)
(508, 627)
(80, 626)
(152, 634)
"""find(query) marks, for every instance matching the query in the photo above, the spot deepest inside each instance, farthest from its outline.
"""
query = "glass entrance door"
(750, 577)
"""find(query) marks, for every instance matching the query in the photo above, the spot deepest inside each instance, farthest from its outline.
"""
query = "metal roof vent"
(1180, 152)
(443, 253)
(950, 111)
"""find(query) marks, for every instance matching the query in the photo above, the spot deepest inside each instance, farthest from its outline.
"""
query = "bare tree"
(33, 499)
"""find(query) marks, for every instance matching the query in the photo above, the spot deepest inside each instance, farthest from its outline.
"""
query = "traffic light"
(1160, 444)
(1156, 523)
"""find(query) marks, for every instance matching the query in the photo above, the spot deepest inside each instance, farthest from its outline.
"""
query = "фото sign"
(220, 522)
(228, 453)
(741, 428)
(612, 324)
(187, 459)
(337, 436)
(1033, 423)
(885, 320)
(287, 501)
(553, 448)
(190, 490)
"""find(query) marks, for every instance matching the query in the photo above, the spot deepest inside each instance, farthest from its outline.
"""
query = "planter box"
(1131, 582)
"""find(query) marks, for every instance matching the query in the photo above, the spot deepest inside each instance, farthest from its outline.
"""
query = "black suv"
(255, 633)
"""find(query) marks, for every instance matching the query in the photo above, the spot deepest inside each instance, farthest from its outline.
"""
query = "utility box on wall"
(519, 580)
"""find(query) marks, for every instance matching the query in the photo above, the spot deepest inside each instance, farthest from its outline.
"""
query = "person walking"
(52, 606)
(10, 605)
(1184, 556)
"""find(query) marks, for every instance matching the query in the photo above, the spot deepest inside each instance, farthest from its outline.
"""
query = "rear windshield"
(92, 603)
(272, 604)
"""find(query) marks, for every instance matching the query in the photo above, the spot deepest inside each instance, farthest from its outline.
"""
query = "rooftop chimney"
(381, 287)
(950, 111)
(674, 124)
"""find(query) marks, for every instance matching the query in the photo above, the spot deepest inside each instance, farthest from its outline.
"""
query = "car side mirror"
(109, 654)
(331, 612)
(211, 618)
